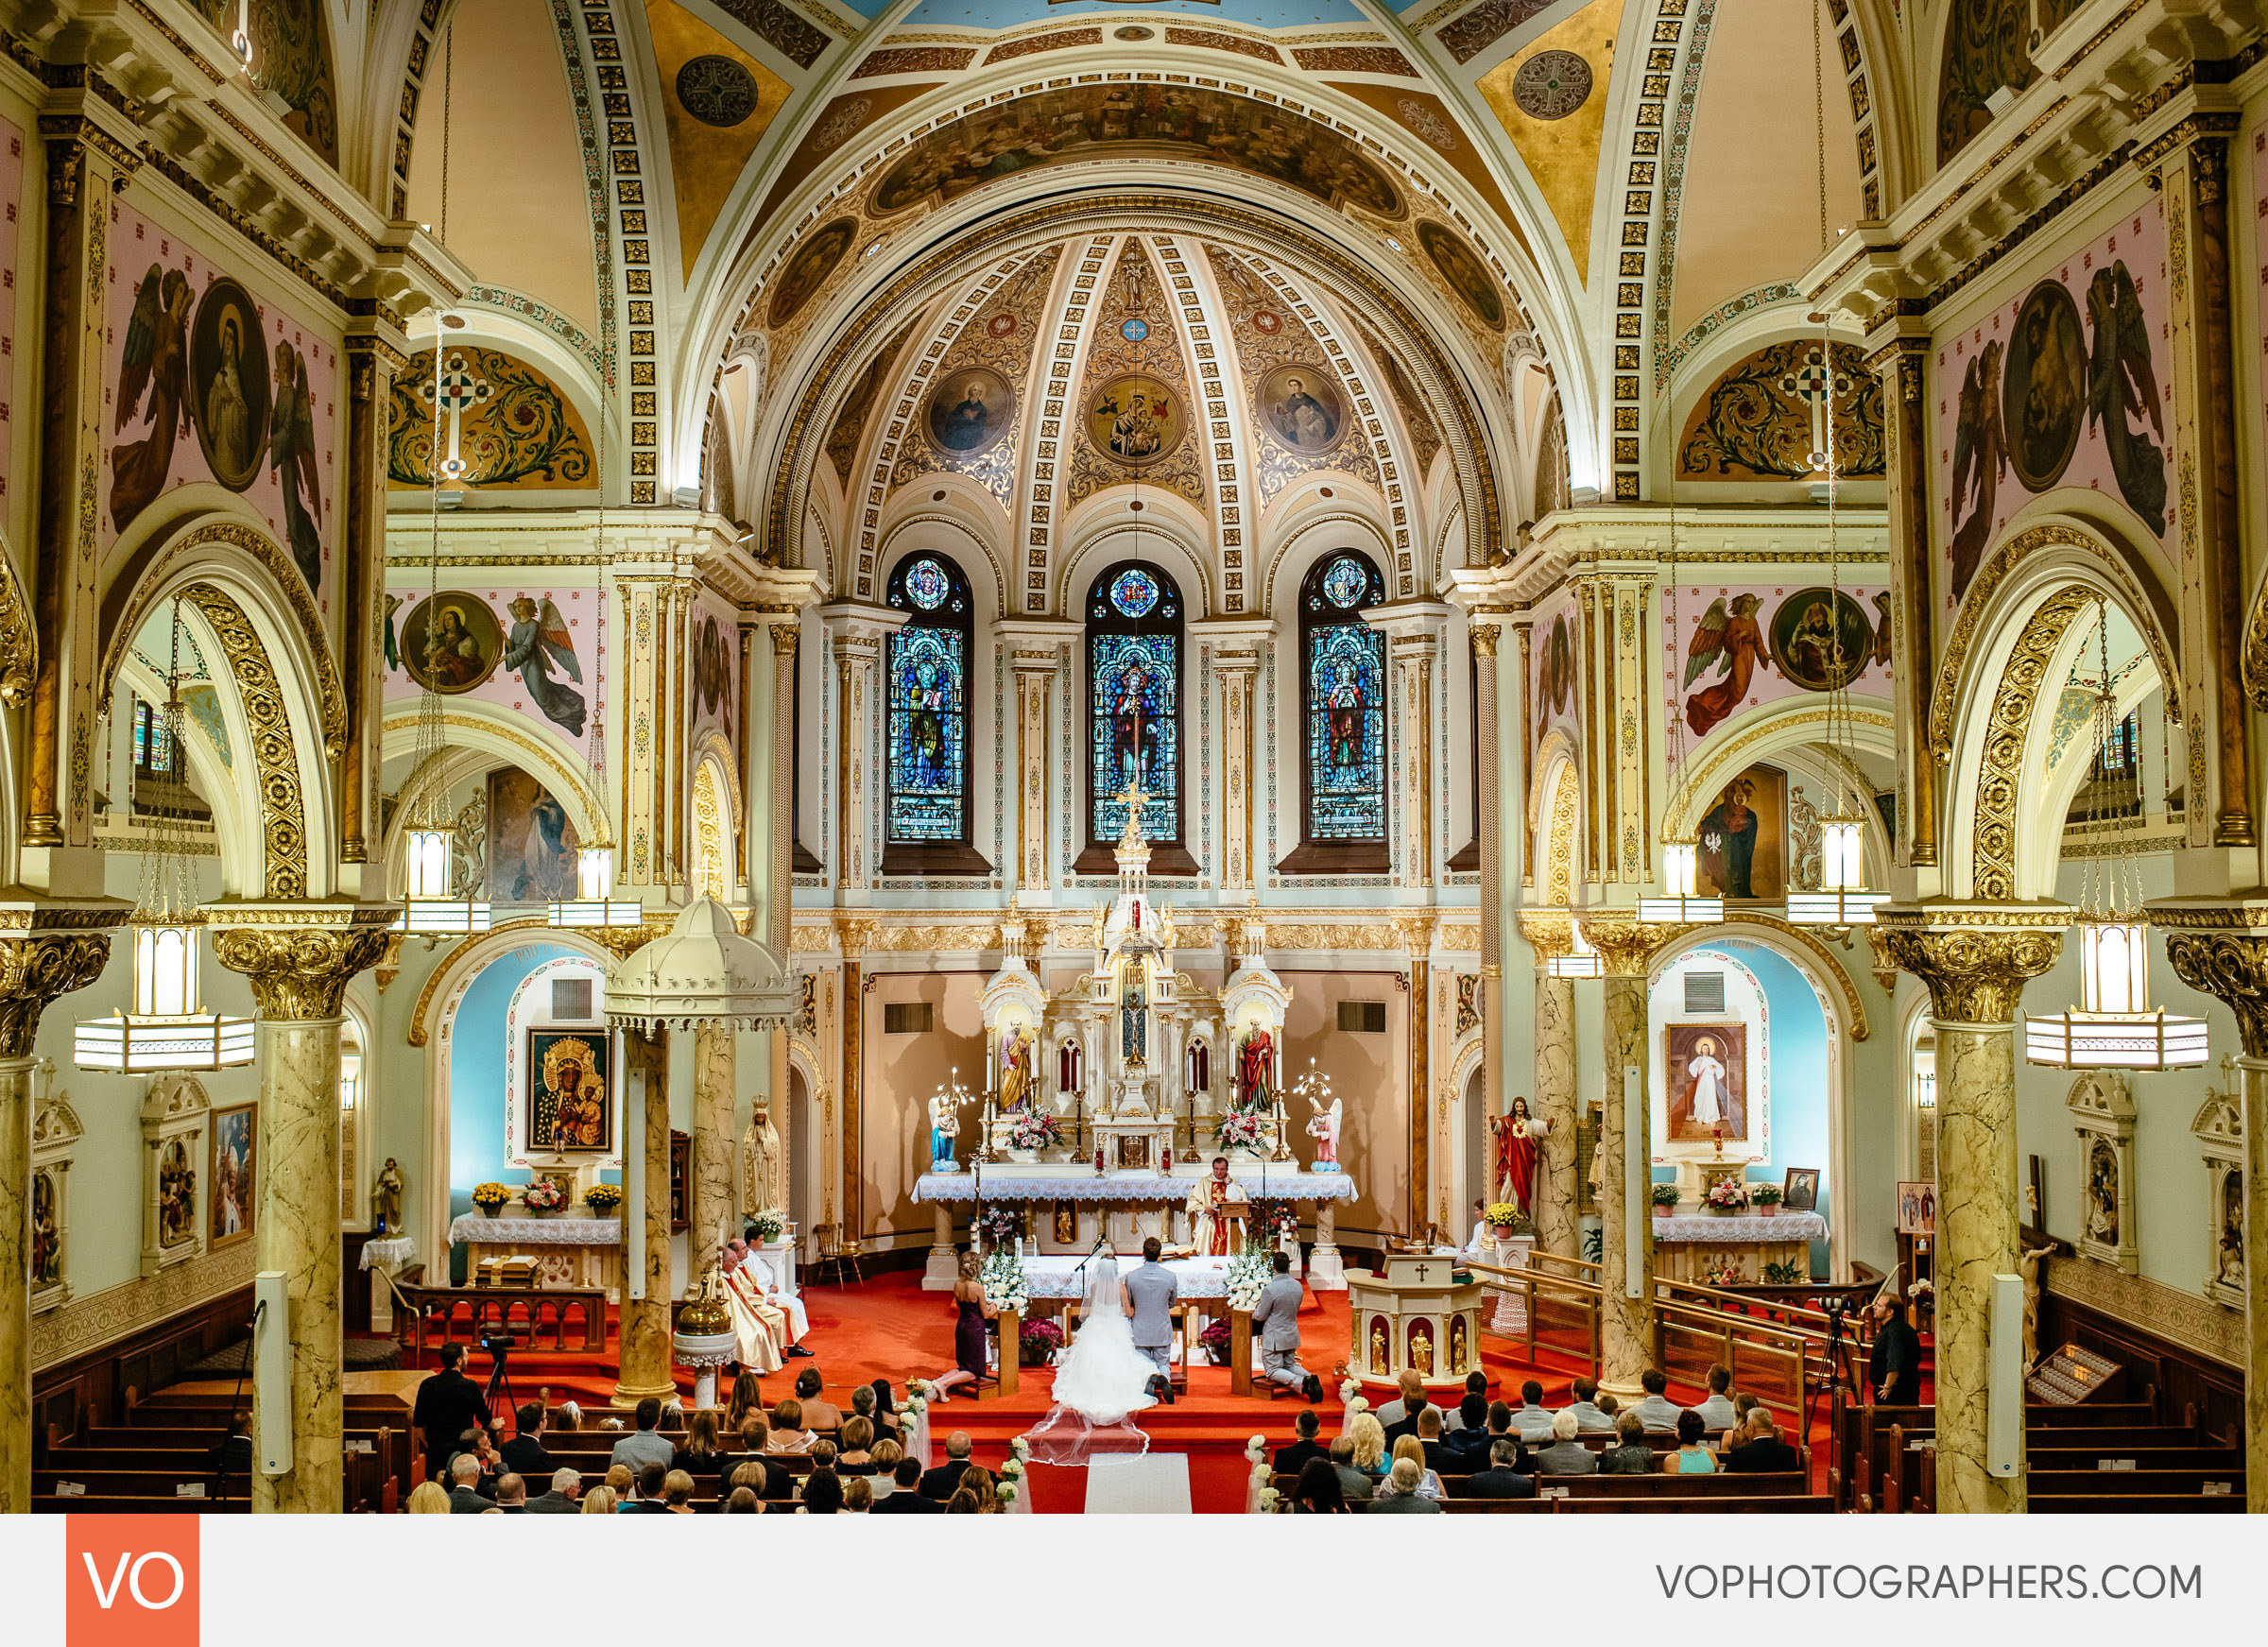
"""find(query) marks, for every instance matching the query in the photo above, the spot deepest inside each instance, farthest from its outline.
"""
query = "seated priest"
(763, 1322)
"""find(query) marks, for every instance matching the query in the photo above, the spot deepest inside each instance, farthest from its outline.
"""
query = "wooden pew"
(1783, 1505)
(2085, 1484)
(2141, 1458)
(137, 1507)
(2138, 1504)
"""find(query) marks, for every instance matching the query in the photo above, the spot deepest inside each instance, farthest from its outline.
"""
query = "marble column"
(715, 1211)
(1490, 807)
(375, 351)
(943, 1268)
(645, 1353)
(1553, 1101)
(299, 974)
(779, 926)
(858, 759)
(1976, 977)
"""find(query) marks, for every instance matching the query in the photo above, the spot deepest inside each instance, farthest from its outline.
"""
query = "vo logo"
(131, 1580)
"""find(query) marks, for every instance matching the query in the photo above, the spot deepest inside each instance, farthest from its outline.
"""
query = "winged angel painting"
(155, 362)
(539, 642)
(1728, 641)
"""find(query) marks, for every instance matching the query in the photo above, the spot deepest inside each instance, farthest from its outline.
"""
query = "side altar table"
(568, 1252)
(1688, 1243)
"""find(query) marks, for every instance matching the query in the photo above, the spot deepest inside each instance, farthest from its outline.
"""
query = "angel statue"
(1323, 1126)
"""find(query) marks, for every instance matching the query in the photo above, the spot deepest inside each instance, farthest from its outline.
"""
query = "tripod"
(500, 1379)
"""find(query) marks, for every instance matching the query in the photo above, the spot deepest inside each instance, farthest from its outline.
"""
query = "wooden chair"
(838, 1256)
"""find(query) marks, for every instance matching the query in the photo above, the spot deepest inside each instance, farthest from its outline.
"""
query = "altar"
(1691, 1246)
(567, 1252)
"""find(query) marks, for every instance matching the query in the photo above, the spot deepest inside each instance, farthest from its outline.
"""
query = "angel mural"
(291, 455)
(1731, 641)
(156, 361)
(2121, 385)
(1980, 458)
(537, 640)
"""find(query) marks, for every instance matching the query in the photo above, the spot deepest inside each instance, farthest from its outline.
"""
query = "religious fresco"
(808, 268)
(12, 199)
(1466, 277)
(1766, 416)
(535, 651)
(850, 423)
(967, 422)
(713, 678)
(505, 421)
(1300, 406)
(1988, 45)
(231, 1188)
(177, 1193)
(205, 383)
(1416, 417)
(531, 844)
(285, 55)
(1556, 674)
(1134, 409)
(2067, 381)
(1100, 122)
(46, 1236)
(1742, 649)
(1708, 1069)
(1743, 837)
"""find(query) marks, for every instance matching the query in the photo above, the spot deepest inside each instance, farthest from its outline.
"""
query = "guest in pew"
(748, 1396)
(1471, 1439)
(1894, 1366)
(858, 1496)
(1566, 1455)
(774, 1480)
(788, 1434)
(428, 1497)
(888, 1455)
(1410, 1447)
(474, 1444)
(1369, 1446)
(1609, 1406)
(677, 1492)
(512, 1493)
(566, 1486)
(1743, 1404)
(979, 1481)
(1501, 1480)
(823, 1454)
(464, 1498)
(1404, 1409)
(940, 1483)
(231, 1459)
(1291, 1460)
(744, 1503)
(857, 1457)
(823, 1493)
(1658, 1412)
(1692, 1456)
(1398, 1495)
(753, 1476)
(906, 1498)
(873, 1403)
(564, 1419)
(818, 1414)
(646, 1445)
(653, 1480)
(1318, 1492)
(1763, 1451)
(1717, 1411)
(1630, 1456)
(1534, 1419)
(1591, 1420)
(961, 1504)
(704, 1451)
(525, 1455)
(600, 1501)
(1355, 1486)
(448, 1404)
(1440, 1458)
(1452, 1418)
(623, 1481)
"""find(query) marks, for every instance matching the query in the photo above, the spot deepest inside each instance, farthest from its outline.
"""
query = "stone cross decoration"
(459, 389)
(1814, 382)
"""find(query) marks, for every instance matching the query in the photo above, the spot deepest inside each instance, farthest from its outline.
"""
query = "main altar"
(1100, 1113)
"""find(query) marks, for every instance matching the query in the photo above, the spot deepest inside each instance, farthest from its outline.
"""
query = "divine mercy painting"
(1707, 1066)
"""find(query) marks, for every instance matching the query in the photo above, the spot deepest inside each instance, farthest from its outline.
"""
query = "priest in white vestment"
(768, 1322)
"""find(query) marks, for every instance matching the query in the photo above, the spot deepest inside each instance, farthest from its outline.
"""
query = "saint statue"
(1516, 1151)
(1134, 1025)
(1421, 1352)
(386, 1198)
(1323, 1126)
(1214, 1203)
(1378, 1348)
(944, 1126)
(1015, 1070)
(1255, 1069)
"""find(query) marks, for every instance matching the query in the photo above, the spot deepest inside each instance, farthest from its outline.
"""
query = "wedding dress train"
(1100, 1382)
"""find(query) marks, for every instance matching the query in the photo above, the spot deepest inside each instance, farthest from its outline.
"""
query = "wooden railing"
(1691, 1336)
(1563, 1310)
(558, 1319)
(1828, 1363)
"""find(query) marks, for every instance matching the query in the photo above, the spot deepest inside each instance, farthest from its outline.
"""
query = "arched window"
(1343, 690)
(1134, 715)
(925, 825)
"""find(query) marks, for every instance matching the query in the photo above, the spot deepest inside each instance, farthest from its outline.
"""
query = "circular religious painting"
(451, 642)
(1803, 639)
(228, 384)
(970, 411)
(2043, 387)
(1135, 419)
(1552, 85)
(927, 584)
(717, 90)
(1345, 581)
(1301, 408)
(808, 269)
(1134, 593)
(1464, 271)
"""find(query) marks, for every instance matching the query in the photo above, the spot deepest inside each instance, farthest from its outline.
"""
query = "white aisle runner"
(1149, 1483)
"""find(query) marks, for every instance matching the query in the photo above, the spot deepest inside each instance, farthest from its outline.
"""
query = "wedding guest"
(1369, 1446)
(1318, 1492)
(788, 1434)
(464, 1498)
(1630, 1456)
(512, 1493)
(1409, 1447)
(1566, 1455)
(1609, 1406)
(822, 1493)
(1476, 1384)
(1743, 1404)
(886, 1455)
(599, 1500)
(1404, 1408)
(475, 1445)
(677, 1492)
(1590, 1417)
(566, 1487)
(1291, 1460)
(744, 1503)
(939, 1482)
(428, 1497)
(1717, 1411)
(979, 1481)
(858, 1496)
(877, 1412)
(1440, 1458)
(857, 1457)
(1657, 1411)
(1501, 1480)
(775, 1482)
(523, 1453)
(1470, 1437)
(624, 1479)
(1763, 1451)
(906, 1498)
(818, 1414)
(704, 1451)
(1355, 1486)
(1398, 1495)
(1692, 1456)
(644, 1444)
(961, 1504)
(746, 1397)
(653, 1484)
(1533, 1420)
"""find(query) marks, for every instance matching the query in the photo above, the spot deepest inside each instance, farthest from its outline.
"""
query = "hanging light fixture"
(594, 903)
(2114, 1026)
(1680, 904)
(167, 1028)
(1581, 962)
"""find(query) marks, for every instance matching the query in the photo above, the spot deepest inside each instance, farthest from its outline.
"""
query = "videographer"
(449, 1403)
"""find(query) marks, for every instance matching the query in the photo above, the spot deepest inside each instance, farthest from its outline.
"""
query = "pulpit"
(1422, 1314)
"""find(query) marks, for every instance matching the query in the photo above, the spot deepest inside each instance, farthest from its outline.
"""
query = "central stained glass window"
(1133, 701)
(927, 732)
(1345, 667)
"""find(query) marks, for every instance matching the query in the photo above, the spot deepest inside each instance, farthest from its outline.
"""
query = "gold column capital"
(38, 966)
(1551, 932)
(1627, 945)
(300, 957)
(1484, 638)
(1974, 961)
(785, 638)
(2222, 950)
(624, 941)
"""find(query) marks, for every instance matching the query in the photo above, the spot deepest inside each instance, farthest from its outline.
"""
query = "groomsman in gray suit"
(1276, 1314)
(1149, 1294)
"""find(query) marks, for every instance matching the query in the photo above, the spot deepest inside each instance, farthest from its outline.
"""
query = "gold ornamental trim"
(2001, 770)
(275, 756)
(299, 966)
(1976, 972)
(36, 970)
(19, 641)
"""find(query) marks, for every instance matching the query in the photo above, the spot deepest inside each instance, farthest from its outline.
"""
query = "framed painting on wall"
(1799, 1192)
(228, 1175)
(1743, 837)
(1708, 1082)
(1916, 1209)
(571, 1094)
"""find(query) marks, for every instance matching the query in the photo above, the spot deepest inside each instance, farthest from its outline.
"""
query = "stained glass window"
(1134, 702)
(928, 714)
(1345, 664)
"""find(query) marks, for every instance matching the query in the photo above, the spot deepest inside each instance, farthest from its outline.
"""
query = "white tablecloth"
(1718, 1230)
(394, 1251)
(1071, 1183)
(536, 1232)
(1056, 1275)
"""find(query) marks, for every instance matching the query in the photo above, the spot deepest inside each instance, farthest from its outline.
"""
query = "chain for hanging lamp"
(2114, 1026)
(1680, 902)
(594, 903)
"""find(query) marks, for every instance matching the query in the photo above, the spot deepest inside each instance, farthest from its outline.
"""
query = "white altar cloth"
(1737, 1229)
(1056, 1275)
(392, 1252)
(536, 1232)
(1073, 1183)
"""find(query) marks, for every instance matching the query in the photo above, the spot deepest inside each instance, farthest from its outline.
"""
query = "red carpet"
(890, 1329)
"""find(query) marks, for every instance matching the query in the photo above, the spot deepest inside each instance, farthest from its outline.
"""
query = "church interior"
(1569, 690)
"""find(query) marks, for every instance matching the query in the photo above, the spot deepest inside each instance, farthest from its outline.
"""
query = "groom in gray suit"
(1276, 1313)
(1150, 1292)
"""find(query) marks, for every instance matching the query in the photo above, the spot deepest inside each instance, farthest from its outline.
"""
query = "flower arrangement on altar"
(1274, 1218)
(1728, 1195)
(1039, 1339)
(491, 1199)
(1240, 1130)
(1506, 1218)
(1665, 1196)
(999, 1222)
(1034, 1129)
(1005, 1287)
(1249, 1273)
(602, 1199)
(542, 1196)
(769, 1227)
(1766, 1195)
(1724, 1272)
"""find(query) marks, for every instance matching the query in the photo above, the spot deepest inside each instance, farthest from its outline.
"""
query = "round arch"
(480, 740)
(1554, 817)
(1319, 528)
(1170, 542)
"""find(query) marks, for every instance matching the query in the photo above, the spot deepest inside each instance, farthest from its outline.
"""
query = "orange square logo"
(131, 1581)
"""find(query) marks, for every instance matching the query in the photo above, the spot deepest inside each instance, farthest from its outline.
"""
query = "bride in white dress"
(1100, 1382)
